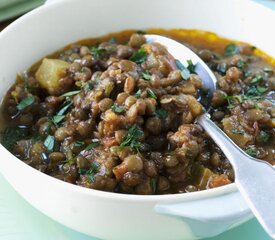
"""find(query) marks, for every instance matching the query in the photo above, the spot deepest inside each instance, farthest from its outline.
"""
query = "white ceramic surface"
(117, 216)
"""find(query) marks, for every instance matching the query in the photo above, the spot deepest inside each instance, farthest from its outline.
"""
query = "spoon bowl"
(249, 172)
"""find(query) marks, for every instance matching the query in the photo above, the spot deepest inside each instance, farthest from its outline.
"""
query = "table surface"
(20, 221)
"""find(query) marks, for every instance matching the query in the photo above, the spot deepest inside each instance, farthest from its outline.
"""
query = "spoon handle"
(255, 178)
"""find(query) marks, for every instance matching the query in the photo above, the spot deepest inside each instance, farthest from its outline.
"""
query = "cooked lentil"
(117, 114)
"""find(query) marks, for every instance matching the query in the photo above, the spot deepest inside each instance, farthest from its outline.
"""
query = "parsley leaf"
(25, 103)
(64, 108)
(70, 94)
(151, 94)
(140, 56)
(57, 119)
(231, 49)
(79, 143)
(90, 174)
(256, 79)
(98, 52)
(146, 75)
(251, 151)
(117, 109)
(49, 142)
(113, 40)
(185, 73)
(138, 93)
(191, 66)
(265, 136)
(92, 145)
(132, 138)
(237, 131)
(161, 113)
(153, 183)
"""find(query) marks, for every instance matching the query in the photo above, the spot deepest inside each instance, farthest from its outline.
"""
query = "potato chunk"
(49, 74)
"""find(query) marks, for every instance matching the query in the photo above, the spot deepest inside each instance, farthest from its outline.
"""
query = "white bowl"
(117, 216)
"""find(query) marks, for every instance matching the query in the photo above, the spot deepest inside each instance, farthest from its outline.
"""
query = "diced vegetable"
(50, 72)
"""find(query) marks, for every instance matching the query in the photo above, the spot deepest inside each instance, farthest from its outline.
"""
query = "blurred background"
(10, 9)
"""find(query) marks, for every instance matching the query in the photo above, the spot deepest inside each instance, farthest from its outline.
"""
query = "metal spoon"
(255, 178)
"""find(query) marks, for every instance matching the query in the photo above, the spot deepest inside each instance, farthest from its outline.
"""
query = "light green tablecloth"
(13, 8)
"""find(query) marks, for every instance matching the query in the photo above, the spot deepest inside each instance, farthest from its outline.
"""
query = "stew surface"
(117, 114)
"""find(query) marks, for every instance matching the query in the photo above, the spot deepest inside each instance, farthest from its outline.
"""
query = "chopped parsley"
(231, 49)
(265, 136)
(98, 52)
(57, 119)
(90, 174)
(139, 57)
(151, 94)
(117, 109)
(256, 79)
(153, 183)
(185, 72)
(132, 138)
(49, 142)
(64, 108)
(146, 75)
(70, 94)
(25, 103)
(251, 151)
(237, 131)
(88, 86)
(268, 70)
(92, 145)
(137, 94)
(161, 113)
(79, 143)
(191, 66)
(113, 40)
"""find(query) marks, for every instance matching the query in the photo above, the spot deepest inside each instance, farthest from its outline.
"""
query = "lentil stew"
(117, 114)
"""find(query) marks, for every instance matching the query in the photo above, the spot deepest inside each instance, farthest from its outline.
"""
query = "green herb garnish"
(113, 40)
(117, 109)
(241, 64)
(25, 103)
(151, 94)
(92, 145)
(90, 174)
(57, 119)
(153, 183)
(161, 113)
(185, 73)
(265, 136)
(64, 108)
(191, 66)
(231, 49)
(79, 143)
(256, 79)
(237, 131)
(137, 94)
(98, 52)
(70, 94)
(268, 70)
(251, 151)
(132, 138)
(146, 75)
(49, 142)
(88, 86)
(139, 57)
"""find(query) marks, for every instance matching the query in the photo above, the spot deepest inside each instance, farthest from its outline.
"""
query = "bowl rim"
(202, 194)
